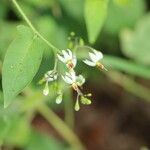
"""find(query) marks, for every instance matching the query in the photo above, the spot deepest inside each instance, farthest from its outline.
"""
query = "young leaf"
(95, 13)
(21, 63)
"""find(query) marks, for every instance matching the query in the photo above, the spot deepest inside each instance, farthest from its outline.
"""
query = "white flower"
(49, 77)
(95, 58)
(72, 79)
(68, 58)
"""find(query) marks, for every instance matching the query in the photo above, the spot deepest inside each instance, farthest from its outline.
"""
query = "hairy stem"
(32, 27)
(61, 127)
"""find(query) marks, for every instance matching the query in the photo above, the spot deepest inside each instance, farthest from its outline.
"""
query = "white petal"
(99, 54)
(50, 79)
(69, 52)
(93, 57)
(67, 79)
(61, 58)
(68, 74)
(66, 55)
(74, 60)
(90, 63)
(73, 75)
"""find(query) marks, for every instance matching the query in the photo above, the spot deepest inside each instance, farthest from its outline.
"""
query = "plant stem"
(130, 85)
(69, 109)
(32, 27)
(61, 127)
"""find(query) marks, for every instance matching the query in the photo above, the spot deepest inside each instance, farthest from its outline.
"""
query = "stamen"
(100, 66)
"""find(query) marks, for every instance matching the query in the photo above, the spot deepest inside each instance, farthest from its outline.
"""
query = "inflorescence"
(69, 59)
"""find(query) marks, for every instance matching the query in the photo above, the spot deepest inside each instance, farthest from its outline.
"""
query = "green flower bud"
(59, 98)
(77, 106)
(85, 101)
(46, 89)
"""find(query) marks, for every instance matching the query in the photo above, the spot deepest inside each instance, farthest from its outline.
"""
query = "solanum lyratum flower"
(49, 77)
(68, 58)
(73, 80)
(95, 57)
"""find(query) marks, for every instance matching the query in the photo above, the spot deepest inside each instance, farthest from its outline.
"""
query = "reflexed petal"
(98, 54)
(50, 79)
(61, 58)
(68, 74)
(74, 60)
(73, 75)
(93, 57)
(66, 55)
(67, 79)
(90, 63)
(69, 52)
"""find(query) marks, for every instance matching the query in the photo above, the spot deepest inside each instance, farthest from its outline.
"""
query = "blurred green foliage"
(135, 44)
(128, 20)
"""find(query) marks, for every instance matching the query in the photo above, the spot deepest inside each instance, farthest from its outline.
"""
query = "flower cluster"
(49, 77)
(74, 81)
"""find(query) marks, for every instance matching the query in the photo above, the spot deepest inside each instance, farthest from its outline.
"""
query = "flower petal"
(73, 75)
(67, 80)
(70, 53)
(50, 79)
(61, 58)
(93, 57)
(90, 63)
(66, 55)
(74, 60)
(98, 53)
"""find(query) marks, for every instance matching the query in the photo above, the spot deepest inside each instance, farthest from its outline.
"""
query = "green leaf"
(21, 63)
(95, 14)
(136, 44)
(6, 36)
